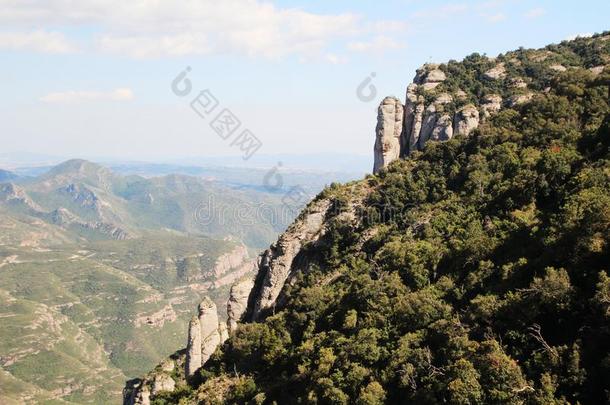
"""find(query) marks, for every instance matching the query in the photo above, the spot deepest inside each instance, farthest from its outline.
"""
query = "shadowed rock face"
(238, 303)
(277, 264)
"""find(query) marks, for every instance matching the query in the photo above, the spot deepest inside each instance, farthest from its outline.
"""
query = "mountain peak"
(79, 170)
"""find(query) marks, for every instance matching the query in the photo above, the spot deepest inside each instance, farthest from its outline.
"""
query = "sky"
(93, 78)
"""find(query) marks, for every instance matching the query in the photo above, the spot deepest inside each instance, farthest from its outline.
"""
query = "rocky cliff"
(429, 282)
(443, 101)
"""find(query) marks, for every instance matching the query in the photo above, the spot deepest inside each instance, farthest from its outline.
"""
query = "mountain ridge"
(473, 270)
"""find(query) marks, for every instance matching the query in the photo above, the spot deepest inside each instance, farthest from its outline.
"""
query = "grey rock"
(142, 395)
(496, 73)
(519, 99)
(193, 347)
(277, 264)
(388, 133)
(443, 129)
(428, 124)
(162, 383)
(466, 120)
(491, 104)
(238, 302)
(210, 335)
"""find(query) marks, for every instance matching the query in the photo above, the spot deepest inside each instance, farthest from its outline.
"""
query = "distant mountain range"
(95, 265)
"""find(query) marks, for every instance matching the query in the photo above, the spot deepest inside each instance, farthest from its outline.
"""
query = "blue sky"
(92, 78)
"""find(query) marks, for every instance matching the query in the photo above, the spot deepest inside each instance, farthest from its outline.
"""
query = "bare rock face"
(238, 303)
(443, 129)
(277, 264)
(436, 125)
(168, 365)
(597, 70)
(162, 383)
(230, 260)
(223, 331)
(519, 99)
(496, 73)
(558, 68)
(466, 120)
(193, 347)
(429, 76)
(428, 124)
(388, 132)
(518, 83)
(491, 104)
(210, 336)
(142, 396)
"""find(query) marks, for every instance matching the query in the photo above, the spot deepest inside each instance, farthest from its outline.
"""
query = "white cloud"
(152, 28)
(38, 41)
(378, 44)
(335, 59)
(121, 94)
(535, 13)
(495, 18)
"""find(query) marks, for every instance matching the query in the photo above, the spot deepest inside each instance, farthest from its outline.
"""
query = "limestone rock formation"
(223, 332)
(519, 99)
(388, 132)
(558, 68)
(413, 120)
(491, 104)
(429, 76)
(162, 383)
(496, 73)
(142, 396)
(277, 264)
(193, 347)
(466, 120)
(210, 335)
(518, 83)
(238, 303)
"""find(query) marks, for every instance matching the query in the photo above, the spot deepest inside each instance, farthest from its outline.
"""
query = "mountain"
(91, 201)
(93, 265)
(99, 271)
(470, 269)
(5, 175)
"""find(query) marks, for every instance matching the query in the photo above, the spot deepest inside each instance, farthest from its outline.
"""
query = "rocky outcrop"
(277, 265)
(388, 132)
(13, 194)
(496, 73)
(238, 303)
(466, 120)
(492, 103)
(231, 260)
(193, 347)
(142, 396)
(519, 99)
(223, 332)
(558, 68)
(162, 383)
(429, 76)
(210, 335)
(64, 218)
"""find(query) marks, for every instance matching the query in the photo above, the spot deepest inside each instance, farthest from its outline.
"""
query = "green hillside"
(99, 273)
(473, 272)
